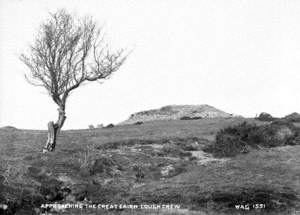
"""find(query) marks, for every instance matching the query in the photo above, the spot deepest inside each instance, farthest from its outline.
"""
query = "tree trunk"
(53, 131)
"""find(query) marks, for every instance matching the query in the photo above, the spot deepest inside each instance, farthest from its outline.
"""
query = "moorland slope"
(158, 162)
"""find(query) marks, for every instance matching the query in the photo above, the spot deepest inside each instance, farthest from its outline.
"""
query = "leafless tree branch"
(68, 52)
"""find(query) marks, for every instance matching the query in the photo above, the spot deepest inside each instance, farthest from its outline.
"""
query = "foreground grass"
(102, 166)
(269, 171)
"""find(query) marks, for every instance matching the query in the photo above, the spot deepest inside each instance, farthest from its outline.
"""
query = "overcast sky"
(241, 56)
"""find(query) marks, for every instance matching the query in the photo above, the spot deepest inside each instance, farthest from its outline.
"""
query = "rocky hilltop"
(173, 112)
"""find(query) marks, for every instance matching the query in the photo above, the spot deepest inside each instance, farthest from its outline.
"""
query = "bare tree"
(68, 52)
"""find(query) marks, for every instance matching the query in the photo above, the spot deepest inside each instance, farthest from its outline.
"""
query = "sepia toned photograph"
(139, 107)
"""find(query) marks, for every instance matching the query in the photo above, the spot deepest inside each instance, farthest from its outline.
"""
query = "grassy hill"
(158, 162)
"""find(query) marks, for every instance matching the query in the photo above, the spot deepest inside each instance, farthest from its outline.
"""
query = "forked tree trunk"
(53, 131)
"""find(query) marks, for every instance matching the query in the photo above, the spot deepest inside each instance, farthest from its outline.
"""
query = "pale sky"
(241, 56)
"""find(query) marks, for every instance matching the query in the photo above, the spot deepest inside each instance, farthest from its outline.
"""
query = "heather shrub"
(293, 117)
(243, 137)
(266, 117)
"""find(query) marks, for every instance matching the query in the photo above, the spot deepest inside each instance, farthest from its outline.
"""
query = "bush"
(293, 117)
(241, 138)
(110, 125)
(266, 117)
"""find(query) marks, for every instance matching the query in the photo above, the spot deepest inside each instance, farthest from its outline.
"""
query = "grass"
(101, 166)
(268, 168)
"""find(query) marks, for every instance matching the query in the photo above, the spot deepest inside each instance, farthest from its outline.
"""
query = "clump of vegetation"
(88, 156)
(104, 165)
(241, 138)
(139, 172)
(110, 125)
(293, 117)
(266, 117)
